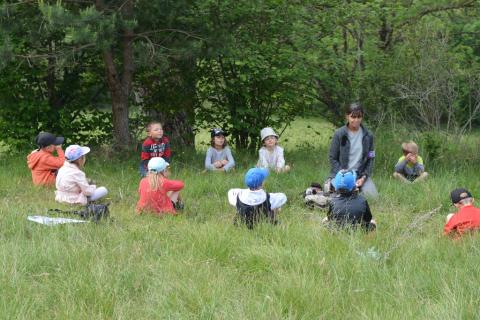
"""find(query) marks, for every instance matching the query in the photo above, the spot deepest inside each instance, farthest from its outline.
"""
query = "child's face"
(219, 141)
(270, 141)
(156, 131)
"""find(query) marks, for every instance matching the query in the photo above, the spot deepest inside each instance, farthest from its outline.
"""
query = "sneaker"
(179, 205)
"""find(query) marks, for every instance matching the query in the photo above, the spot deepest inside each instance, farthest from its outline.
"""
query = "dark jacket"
(340, 149)
(350, 210)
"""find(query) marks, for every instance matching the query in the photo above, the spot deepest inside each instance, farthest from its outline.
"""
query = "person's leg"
(400, 177)
(421, 177)
(369, 189)
(99, 193)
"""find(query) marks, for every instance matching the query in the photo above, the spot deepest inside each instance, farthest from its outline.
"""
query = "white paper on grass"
(53, 221)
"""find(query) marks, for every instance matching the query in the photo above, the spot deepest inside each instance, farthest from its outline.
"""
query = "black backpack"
(250, 215)
(93, 212)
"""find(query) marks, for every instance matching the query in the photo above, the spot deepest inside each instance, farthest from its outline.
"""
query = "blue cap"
(157, 164)
(345, 180)
(255, 177)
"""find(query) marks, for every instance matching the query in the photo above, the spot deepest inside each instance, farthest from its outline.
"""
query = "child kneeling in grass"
(254, 203)
(72, 185)
(467, 218)
(158, 194)
(409, 167)
(348, 208)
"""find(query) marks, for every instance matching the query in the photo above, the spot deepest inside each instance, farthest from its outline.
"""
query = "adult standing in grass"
(352, 149)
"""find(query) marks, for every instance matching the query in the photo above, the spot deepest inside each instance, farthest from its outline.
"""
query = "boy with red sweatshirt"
(42, 163)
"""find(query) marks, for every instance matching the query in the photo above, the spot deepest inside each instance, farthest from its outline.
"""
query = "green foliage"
(252, 76)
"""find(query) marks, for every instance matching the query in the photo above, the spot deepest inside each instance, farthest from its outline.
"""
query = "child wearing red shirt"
(467, 218)
(156, 145)
(158, 194)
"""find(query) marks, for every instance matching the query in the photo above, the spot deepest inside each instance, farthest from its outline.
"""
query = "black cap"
(44, 139)
(459, 194)
(217, 132)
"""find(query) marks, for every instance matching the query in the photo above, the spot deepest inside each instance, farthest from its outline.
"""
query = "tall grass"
(199, 266)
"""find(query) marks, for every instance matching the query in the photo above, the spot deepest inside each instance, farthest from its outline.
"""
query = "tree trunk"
(120, 85)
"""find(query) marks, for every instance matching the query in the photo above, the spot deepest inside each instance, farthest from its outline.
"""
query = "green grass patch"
(199, 266)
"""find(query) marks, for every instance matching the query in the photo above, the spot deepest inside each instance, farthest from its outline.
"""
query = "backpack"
(315, 197)
(93, 212)
(250, 215)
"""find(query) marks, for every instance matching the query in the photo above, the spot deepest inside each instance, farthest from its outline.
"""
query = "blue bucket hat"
(345, 180)
(255, 177)
(157, 164)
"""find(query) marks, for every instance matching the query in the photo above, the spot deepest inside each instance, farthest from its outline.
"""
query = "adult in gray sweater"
(352, 149)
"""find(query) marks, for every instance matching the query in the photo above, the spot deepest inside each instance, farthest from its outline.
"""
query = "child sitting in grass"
(254, 203)
(270, 156)
(467, 218)
(158, 194)
(219, 156)
(72, 185)
(42, 163)
(156, 145)
(409, 167)
(349, 208)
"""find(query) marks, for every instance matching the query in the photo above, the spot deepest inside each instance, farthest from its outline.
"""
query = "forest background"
(96, 71)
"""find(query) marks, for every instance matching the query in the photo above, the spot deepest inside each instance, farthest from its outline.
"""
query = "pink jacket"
(72, 185)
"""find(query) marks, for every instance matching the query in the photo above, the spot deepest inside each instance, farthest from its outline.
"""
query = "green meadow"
(198, 265)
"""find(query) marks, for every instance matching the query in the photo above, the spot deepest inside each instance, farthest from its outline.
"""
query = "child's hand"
(218, 164)
(224, 162)
(411, 157)
(360, 182)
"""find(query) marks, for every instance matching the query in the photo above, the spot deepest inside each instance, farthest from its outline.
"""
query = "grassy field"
(199, 266)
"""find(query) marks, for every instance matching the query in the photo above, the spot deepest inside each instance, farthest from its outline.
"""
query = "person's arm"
(334, 154)
(231, 161)
(367, 172)
(52, 163)
(82, 182)
(280, 158)
(400, 166)
(277, 200)
(167, 153)
(208, 159)
(232, 196)
(172, 185)
(145, 155)
(262, 159)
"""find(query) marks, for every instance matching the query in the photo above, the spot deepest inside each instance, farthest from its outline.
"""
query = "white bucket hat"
(267, 132)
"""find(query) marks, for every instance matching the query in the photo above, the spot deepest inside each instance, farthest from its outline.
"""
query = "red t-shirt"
(467, 218)
(157, 201)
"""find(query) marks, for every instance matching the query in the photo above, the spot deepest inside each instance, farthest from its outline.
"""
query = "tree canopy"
(78, 68)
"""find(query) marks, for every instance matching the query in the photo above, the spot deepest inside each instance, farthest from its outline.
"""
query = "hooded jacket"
(340, 150)
(44, 166)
